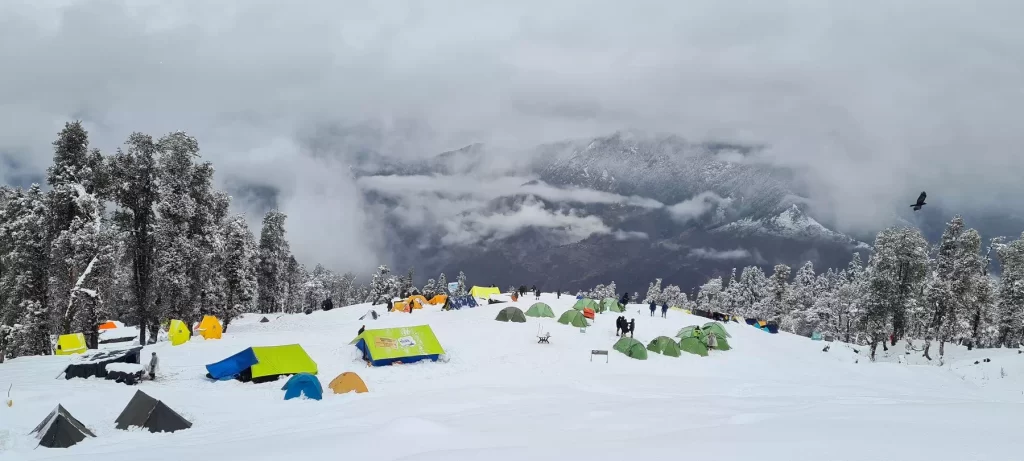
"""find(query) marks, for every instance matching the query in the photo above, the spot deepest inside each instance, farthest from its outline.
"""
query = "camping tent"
(178, 332)
(145, 411)
(210, 328)
(540, 310)
(588, 313)
(693, 345)
(721, 344)
(574, 318)
(631, 347)
(458, 302)
(400, 306)
(348, 382)
(386, 346)
(716, 328)
(264, 320)
(438, 300)
(511, 314)
(484, 292)
(303, 384)
(689, 331)
(108, 325)
(416, 301)
(262, 364)
(585, 303)
(372, 314)
(611, 305)
(95, 364)
(71, 344)
(60, 430)
(665, 346)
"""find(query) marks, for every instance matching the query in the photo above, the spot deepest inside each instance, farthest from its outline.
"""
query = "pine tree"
(800, 301)
(442, 284)
(672, 295)
(296, 287)
(953, 291)
(653, 292)
(709, 295)
(135, 174)
(430, 288)
(176, 252)
(272, 271)
(1011, 293)
(895, 278)
(750, 293)
(773, 305)
(380, 291)
(206, 235)
(241, 257)
(463, 290)
(26, 250)
(730, 295)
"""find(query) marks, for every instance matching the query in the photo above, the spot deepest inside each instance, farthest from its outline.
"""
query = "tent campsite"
(387, 346)
(262, 364)
(60, 430)
(147, 412)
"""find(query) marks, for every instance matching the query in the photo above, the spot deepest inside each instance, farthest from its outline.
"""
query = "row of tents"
(692, 339)
(61, 430)
(177, 332)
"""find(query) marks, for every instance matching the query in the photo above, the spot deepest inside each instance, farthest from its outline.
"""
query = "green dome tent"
(610, 305)
(665, 346)
(692, 330)
(574, 318)
(693, 345)
(717, 328)
(540, 310)
(583, 303)
(632, 348)
(723, 345)
(511, 314)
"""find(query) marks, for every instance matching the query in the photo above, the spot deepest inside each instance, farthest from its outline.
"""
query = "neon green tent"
(716, 328)
(611, 305)
(693, 345)
(386, 346)
(540, 310)
(511, 314)
(282, 360)
(574, 318)
(583, 303)
(665, 346)
(632, 348)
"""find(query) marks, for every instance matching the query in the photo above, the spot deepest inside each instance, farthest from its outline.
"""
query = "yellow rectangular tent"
(484, 292)
(71, 344)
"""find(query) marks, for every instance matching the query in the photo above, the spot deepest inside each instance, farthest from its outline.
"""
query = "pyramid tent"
(631, 347)
(178, 332)
(585, 303)
(348, 382)
(387, 346)
(511, 314)
(71, 344)
(372, 314)
(303, 384)
(262, 364)
(540, 310)
(611, 305)
(693, 345)
(108, 325)
(665, 346)
(574, 318)
(60, 430)
(145, 411)
(717, 328)
(264, 320)
(484, 292)
(210, 328)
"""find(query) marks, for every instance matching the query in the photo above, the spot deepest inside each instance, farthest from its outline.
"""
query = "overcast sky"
(872, 100)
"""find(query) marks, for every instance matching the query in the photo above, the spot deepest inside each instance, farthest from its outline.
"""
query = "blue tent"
(458, 302)
(232, 366)
(303, 383)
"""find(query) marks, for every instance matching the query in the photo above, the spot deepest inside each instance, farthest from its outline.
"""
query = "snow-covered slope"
(792, 223)
(503, 396)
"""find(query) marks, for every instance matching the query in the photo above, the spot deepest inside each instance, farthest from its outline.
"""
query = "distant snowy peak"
(792, 223)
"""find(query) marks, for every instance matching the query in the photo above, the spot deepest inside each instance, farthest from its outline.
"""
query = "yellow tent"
(71, 344)
(400, 306)
(348, 382)
(484, 292)
(210, 327)
(178, 332)
(416, 301)
(438, 299)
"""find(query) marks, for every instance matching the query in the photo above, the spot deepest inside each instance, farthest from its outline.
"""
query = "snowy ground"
(502, 396)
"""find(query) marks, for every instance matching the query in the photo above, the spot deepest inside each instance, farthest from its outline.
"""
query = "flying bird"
(920, 202)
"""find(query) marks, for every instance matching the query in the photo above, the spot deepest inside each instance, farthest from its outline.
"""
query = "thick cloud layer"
(871, 102)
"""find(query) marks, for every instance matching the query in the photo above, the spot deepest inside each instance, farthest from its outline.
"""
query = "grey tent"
(60, 430)
(264, 320)
(372, 314)
(145, 411)
(511, 314)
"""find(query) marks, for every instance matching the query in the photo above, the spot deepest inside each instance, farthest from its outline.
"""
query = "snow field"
(502, 396)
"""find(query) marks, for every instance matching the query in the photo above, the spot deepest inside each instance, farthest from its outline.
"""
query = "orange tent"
(588, 313)
(400, 306)
(438, 299)
(416, 301)
(109, 325)
(348, 382)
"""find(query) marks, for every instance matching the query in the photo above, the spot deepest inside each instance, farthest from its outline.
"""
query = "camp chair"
(544, 339)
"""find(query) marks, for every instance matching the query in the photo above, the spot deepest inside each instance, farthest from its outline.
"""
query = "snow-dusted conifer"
(653, 292)
(1011, 293)
(442, 284)
(239, 268)
(463, 290)
(380, 291)
(896, 274)
(272, 271)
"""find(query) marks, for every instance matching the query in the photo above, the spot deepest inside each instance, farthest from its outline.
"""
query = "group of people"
(622, 326)
(664, 309)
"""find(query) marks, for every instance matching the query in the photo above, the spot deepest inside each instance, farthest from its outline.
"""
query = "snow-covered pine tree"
(800, 301)
(241, 256)
(463, 290)
(897, 270)
(610, 291)
(296, 287)
(850, 296)
(751, 291)
(773, 305)
(133, 175)
(430, 288)
(206, 234)
(673, 296)
(729, 297)
(271, 273)
(958, 266)
(380, 291)
(709, 295)
(1011, 293)
(24, 224)
(442, 284)
(653, 292)
(175, 251)
(824, 314)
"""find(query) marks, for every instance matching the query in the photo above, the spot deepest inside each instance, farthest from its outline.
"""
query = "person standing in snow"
(153, 361)
(558, 294)
(361, 330)
(632, 327)
(653, 307)
(619, 327)
(624, 299)
(537, 292)
(664, 310)
(712, 340)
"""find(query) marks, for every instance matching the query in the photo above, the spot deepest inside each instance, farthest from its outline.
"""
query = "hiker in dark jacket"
(664, 310)
(653, 307)
(624, 299)
(361, 330)
(619, 326)
(632, 327)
